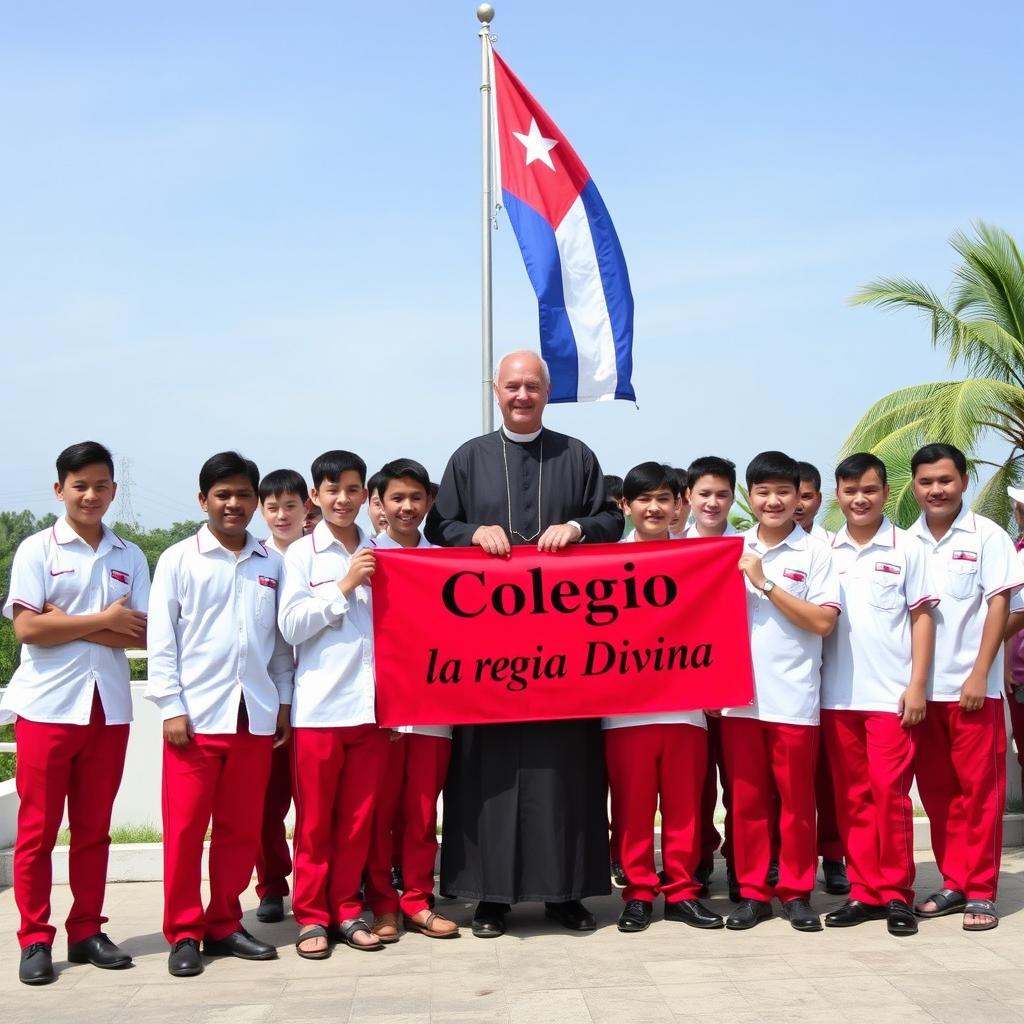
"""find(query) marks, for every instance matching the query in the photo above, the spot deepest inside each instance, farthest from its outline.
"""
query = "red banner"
(598, 629)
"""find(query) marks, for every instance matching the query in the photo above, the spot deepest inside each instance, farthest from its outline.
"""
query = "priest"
(525, 811)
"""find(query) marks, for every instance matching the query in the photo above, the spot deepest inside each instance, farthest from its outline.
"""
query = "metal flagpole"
(485, 14)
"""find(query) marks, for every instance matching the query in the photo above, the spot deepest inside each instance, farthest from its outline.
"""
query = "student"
(681, 513)
(961, 746)
(772, 745)
(78, 598)
(338, 752)
(873, 681)
(830, 846)
(374, 507)
(405, 820)
(710, 492)
(1014, 636)
(313, 516)
(656, 759)
(283, 497)
(222, 677)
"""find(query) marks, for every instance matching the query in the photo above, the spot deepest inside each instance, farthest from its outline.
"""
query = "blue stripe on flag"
(615, 280)
(540, 253)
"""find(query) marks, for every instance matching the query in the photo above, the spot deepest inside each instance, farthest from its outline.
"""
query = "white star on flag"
(537, 147)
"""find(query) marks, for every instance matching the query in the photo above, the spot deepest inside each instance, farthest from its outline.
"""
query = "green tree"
(981, 328)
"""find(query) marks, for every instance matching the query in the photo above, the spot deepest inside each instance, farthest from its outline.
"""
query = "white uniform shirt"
(974, 561)
(818, 532)
(55, 684)
(382, 540)
(660, 717)
(866, 661)
(787, 659)
(213, 638)
(690, 533)
(332, 634)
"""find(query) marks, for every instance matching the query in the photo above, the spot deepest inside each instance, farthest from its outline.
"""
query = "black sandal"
(316, 931)
(349, 928)
(982, 907)
(947, 901)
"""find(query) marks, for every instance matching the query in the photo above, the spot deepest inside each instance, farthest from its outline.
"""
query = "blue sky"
(255, 225)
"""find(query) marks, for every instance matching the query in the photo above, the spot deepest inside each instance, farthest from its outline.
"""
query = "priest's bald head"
(522, 386)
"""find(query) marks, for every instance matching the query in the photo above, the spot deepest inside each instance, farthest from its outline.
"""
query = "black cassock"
(525, 804)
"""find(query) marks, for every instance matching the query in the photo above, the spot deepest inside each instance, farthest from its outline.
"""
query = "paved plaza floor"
(537, 973)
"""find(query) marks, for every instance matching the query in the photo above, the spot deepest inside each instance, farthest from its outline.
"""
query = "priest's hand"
(493, 540)
(554, 538)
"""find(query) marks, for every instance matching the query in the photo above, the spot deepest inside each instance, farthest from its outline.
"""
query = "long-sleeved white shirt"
(332, 635)
(213, 636)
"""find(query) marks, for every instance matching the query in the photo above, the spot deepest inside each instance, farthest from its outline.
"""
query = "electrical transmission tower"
(125, 512)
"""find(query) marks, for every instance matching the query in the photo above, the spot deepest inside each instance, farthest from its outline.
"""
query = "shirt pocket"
(798, 588)
(884, 594)
(266, 606)
(961, 580)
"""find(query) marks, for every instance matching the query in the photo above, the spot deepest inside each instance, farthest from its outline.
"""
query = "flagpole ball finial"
(485, 14)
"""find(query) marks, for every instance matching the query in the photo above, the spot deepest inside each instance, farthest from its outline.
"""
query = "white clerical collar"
(521, 438)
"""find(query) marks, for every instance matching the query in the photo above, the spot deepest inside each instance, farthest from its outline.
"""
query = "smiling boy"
(78, 597)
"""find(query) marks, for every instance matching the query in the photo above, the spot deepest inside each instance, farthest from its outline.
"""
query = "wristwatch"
(768, 587)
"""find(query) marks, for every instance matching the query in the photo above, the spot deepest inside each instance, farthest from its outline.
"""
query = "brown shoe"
(426, 922)
(385, 927)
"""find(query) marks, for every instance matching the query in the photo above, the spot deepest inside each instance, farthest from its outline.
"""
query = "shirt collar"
(63, 533)
(521, 438)
(885, 537)
(206, 543)
(323, 538)
(382, 540)
(965, 522)
(797, 539)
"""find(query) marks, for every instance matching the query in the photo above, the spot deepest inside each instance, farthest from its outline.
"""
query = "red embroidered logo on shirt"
(795, 574)
(965, 556)
(268, 581)
(888, 567)
(121, 577)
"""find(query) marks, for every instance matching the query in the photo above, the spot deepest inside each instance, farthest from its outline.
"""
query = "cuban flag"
(572, 253)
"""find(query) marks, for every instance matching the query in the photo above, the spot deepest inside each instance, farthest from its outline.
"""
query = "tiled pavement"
(537, 974)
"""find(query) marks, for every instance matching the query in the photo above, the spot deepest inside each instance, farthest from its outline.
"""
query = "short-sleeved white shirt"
(662, 717)
(383, 540)
(974, 561)
(332, 634)
(55, 684)
(691, 532)
(213, 640)
(866, 659)
(787, 659)
(818, 532)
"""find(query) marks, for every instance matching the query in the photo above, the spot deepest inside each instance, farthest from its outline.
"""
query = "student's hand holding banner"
(594, 630)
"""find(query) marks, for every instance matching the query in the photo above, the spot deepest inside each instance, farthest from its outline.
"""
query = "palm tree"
(982, 330)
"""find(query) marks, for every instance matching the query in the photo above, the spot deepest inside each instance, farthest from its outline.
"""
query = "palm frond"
(990, 280)
(992, 500)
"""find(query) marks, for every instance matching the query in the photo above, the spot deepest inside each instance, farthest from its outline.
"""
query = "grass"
(122, 834)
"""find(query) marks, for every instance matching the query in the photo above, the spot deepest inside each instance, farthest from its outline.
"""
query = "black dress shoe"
(36, 967)
(853, 912)
(734, 886)
(693, 913)
(636, 916)
(704, 873)
(99, 951)
(836, 882)
(489, 920)
(572, 915)
(618, 875)
(749, 913)
(185, 961)
(801, 916)
(900, 918)
(240, 944)
(270, 910)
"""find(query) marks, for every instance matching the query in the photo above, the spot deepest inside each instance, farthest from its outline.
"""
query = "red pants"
(830, 843)
(709, 835)
(337, 774)
(416, 769)
(1017, 725)
(82, 764)
(274, 858)
(213, 777)
(961, 776)
(764, 759)
(872, 757)
(647, 763)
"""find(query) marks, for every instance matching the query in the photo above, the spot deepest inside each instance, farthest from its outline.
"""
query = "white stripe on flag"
(586, 306)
